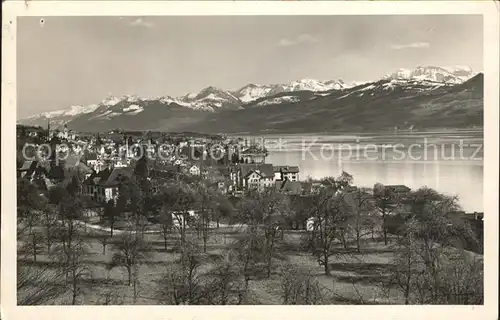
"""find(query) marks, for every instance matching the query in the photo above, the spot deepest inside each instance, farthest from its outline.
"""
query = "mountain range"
(422, 98)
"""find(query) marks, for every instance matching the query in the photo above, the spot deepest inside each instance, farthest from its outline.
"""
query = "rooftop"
(286, 169)
(265, 169)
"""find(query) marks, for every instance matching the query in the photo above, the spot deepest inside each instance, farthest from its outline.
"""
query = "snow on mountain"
(352, 84)
(133, 109)
(111, 101)
(463, 72)
(169, 99)
(314, 85)
(253, 92)
(278, 100)
(448, 75)
(212, 98)
(70, 112)
(131, 98)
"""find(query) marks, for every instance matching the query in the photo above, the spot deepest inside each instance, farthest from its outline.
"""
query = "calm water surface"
(451, 163)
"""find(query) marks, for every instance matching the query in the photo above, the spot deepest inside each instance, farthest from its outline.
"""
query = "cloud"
(414, 45)
(301, 39)
(139, 22)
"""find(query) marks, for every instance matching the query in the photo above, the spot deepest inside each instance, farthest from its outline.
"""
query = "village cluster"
(234, 166)
(238, 166)
(226, 221)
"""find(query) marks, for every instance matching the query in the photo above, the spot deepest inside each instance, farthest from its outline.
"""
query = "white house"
(194, 170)
(252, 180)
(290, 173)
(252, 176)
(258, 180)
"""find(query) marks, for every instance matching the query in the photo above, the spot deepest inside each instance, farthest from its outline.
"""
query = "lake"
(449, 162)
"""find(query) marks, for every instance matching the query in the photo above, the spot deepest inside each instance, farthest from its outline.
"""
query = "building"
(103, 186)
(194, 170)
(220, 178)
(258, 180)
(254, 154)
(286, 172)
(251, 176)
(91, 161)
(252, 180)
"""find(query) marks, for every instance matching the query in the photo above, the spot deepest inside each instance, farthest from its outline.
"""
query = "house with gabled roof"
(286, 172)
(254, 176)
(194, 170)
(254, 154)
(103, 186)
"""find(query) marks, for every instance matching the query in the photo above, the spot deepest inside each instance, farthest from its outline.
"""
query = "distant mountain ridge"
(450, 75)
(212, 104)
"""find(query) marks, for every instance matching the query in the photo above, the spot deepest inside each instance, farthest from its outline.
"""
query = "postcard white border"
(13, 9)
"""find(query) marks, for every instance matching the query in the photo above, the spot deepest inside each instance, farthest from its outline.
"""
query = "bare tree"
(67, 231)
(299, 286)
(104, 241)
(207, 203)
(131, 252)
(33, 244)
(78, 268)
(38, 285)
(110, 297)
(250, 252)
(166, 223)
(29, 203)
(49, 223)
(462, 279)
(386, 202)
(181, 283)
(426, 256)
(329, 214)
(179, 199)
(266, 214)
(406, 265)
(226, 284)
(360, 206)
(111, 215)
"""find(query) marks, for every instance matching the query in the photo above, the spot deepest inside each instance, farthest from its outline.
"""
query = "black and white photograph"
(239, 160)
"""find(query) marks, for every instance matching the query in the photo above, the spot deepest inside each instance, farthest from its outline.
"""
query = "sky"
(65, 61)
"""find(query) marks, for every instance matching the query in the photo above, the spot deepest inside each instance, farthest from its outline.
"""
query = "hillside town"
(166, 159)
(196, 194)
(233, 166)
(95, 164)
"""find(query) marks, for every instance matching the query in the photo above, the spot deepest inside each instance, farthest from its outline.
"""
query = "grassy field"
(355, 277)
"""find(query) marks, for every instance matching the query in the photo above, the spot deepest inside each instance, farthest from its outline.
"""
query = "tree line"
(427, 266)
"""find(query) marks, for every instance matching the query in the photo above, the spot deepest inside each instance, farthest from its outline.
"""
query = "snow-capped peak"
(313, 85)
(252, 92)
(70, 112)
(212, 98)
(111, 101)
(434, 74)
